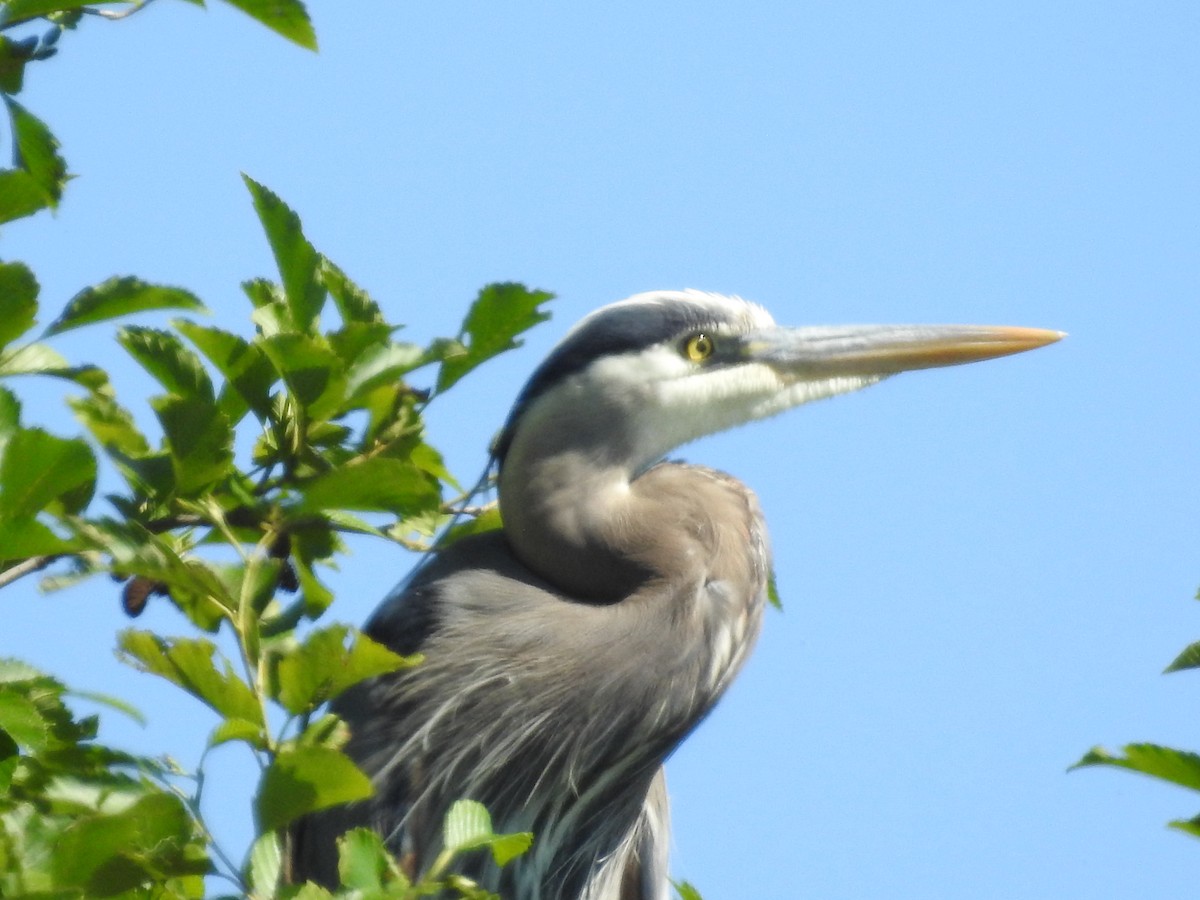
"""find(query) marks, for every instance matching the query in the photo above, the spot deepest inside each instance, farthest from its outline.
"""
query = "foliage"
(273, 449)
(1164, 763)
(338, 432)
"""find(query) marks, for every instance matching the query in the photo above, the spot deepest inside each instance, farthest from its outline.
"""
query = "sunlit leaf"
(39, 469)
(329, 661)
(239, 730)
(189, 663)
(286, 17)
(15, 670)
(498, 315)
(20, 195)
(120, 297)
(379, 365)
(468, 827)
(1176, 766)
(265, 865)
(298, 262)
(364, 862)
(686, 891)
(27, 537)
(21, 719)
(378, 483)
(305, 779)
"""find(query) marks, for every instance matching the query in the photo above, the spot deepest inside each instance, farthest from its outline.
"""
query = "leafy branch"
(336, 446)
(1179, 767)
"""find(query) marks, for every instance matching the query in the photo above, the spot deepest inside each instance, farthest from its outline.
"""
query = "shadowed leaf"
(1188, 659)
(18, 301)
(199, 438)
(247, 370)
(170, 363)
(37, 153)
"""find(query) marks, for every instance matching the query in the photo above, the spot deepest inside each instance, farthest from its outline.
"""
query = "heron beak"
(881, 350)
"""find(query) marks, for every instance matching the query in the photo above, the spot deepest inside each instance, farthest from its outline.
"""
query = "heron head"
(650, 373)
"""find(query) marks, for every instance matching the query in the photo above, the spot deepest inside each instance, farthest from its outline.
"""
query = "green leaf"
(1187, 826)
(106, 855)
(18, 301)
(353, 303)
(22, 720)
(13, 671)
(364, 863)
(32, 359)
(378, 483)
(239, 730)
(200, 440)
(39, 469)
(37, 153)
(305, 779)
(13, 57)
(468, 827)
(171, 364)
(498, 315)
(246, 368)
(298, 262)
(311, 370)
(20, 195)
(1176, 766)
(773, 591)
(111, 702)
(686, 891)
(119, 297)
(265, 865)
(326, 664)
(286, 17)
(109, 423)
(23, 538)
(381, 364)
(188, 663)
(20, 10)
(1188, 659)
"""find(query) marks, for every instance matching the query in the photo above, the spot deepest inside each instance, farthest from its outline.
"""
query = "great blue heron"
(569, 654)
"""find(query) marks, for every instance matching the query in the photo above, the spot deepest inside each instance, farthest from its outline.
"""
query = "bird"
(567, 654)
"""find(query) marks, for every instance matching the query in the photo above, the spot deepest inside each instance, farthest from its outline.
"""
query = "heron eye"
(699, 347)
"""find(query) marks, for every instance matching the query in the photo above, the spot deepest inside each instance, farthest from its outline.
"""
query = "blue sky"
(983, 569)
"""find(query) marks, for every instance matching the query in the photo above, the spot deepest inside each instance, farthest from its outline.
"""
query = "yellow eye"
(699, 347)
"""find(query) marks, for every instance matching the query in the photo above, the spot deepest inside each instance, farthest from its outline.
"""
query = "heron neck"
(572, 522)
